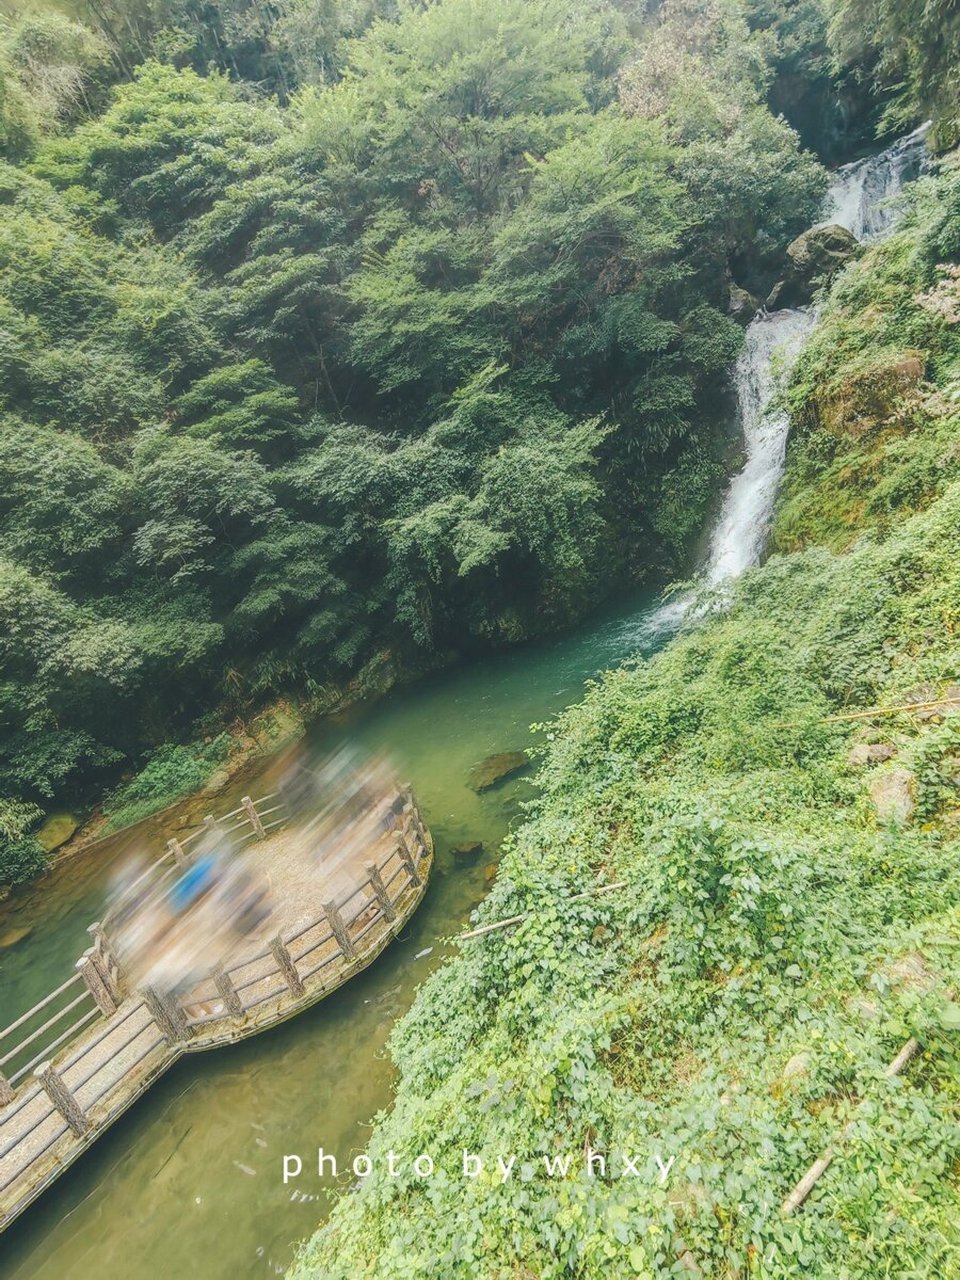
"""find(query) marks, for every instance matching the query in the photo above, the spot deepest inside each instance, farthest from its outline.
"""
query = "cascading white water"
(861, 195)
(859, 199)
(772, 344)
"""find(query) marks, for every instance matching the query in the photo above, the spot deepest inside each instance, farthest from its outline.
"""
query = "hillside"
(791, 915)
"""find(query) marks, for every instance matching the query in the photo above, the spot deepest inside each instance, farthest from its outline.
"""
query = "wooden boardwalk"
(70, 1082)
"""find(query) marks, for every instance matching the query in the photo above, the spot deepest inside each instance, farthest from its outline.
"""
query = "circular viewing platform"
(76, 1061)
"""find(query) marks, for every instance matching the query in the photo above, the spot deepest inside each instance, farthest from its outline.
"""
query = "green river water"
(188, 1182)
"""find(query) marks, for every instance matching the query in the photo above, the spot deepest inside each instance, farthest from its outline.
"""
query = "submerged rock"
(893, 795)
(496, 769)
(467, 848)
(12, 936)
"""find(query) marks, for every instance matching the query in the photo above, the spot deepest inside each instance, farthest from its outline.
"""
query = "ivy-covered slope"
(792, 910)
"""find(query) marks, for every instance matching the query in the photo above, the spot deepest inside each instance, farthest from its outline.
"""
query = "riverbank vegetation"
(789, 919)
(323, 366)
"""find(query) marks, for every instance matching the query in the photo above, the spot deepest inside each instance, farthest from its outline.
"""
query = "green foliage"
(21, 856)
(50, 71)
(911, 47)
(340, 329)
(733, 1008)
(170, 773)
(730, 1008)
(876, 392)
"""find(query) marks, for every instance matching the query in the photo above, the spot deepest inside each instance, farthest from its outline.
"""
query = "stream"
(189, 1180)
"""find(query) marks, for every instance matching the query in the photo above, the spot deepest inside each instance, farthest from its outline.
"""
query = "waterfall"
(860, 199)
(772, 344)
(861, 195)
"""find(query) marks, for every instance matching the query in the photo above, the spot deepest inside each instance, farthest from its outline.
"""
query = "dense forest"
(340, 340)
(787, 838)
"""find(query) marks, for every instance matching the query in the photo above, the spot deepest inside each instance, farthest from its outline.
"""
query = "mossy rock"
(870, 396)
(57, 830)
(496, 769)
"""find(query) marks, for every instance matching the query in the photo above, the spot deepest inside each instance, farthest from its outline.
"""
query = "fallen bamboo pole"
(819, 1167)
(503, 924)
(870, 712)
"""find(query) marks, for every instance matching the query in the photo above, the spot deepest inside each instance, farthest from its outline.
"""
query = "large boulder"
(814, 257)
(873, 396)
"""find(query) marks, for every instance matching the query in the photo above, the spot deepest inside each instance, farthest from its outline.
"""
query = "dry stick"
(503, 924)
(819, 1167)
(872, 711)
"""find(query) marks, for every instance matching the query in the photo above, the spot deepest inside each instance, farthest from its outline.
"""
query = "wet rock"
(774, 298)
(12, 936)
(490, 872)
(871, 753)
(467, 848)
(57, 830)
(821, 251)
(813, 258)
(742, 306)
(892, 793)
(496, 769)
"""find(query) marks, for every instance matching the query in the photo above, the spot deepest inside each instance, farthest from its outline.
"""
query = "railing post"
(180, 855)
(380, 889)
(6, 1090)
(96, 985)
(251, 811)
(335, 920)
(410, 808)
(105, 960)
(228, 992)
(167, 1014)
(286, 966)
(62, 1098)
(407, 857)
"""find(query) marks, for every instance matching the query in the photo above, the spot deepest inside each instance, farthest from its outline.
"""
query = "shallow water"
(190, 1178)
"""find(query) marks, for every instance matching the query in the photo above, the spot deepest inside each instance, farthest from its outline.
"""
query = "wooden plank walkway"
(76, 1083)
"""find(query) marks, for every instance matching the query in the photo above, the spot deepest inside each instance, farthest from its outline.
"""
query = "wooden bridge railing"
(94, 990)
(282, 968)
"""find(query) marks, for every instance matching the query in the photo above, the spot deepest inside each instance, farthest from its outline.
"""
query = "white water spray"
(862, 195)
